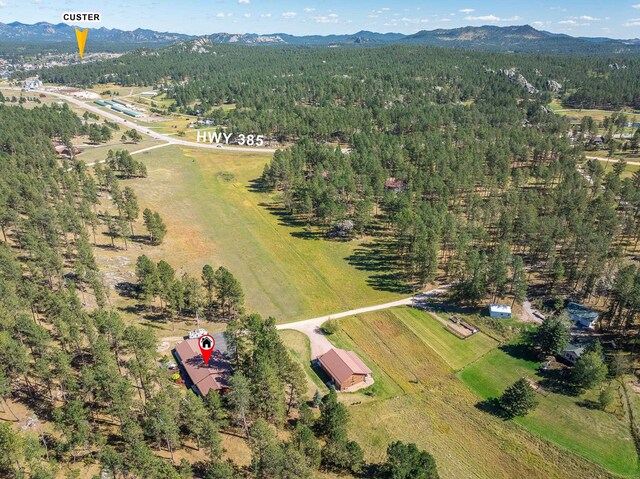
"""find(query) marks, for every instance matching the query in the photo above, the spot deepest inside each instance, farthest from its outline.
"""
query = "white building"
(32, 83)
(499, 311)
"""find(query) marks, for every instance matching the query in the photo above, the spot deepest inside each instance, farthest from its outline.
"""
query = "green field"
(91, 154)
(418, 398)
(595, 434)
(225, 220)
(298, 345)
(597, 115)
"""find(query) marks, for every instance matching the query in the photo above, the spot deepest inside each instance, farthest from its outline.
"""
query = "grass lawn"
(300, 349)
(455, 352)
(597, 435)
(629, 170)
(418, 398)
(597, 115)
(91, 153)
(215, 215)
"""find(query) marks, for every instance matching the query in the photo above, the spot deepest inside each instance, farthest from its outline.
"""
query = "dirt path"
(612, 160)
(319, 342)
(531, 314)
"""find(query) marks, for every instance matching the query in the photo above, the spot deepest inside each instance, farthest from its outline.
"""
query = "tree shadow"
(142, 239)
(443, 304)
(558, 381)
(492, 406)
(137, 309)
(257, 185)
(285, 217)
(379, 257)
(589, 404)
(521, 351)
(127, 289)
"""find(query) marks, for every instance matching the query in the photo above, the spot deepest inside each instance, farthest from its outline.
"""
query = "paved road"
(153, 134)
(319, 342)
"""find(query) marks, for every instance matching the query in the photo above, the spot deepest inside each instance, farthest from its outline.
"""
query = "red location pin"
(206, 343)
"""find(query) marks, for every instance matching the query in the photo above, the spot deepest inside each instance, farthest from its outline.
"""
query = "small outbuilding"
(572, 352)
(582, 315)
(346, 369)
(499, 311)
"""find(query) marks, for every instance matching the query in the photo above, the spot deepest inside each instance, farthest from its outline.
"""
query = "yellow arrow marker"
(81, 36)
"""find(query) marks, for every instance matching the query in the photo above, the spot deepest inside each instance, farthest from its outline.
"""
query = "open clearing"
(566, 420)
(418, 398)
(215, 215)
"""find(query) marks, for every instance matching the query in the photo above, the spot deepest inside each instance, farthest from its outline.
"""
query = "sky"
(614, 18)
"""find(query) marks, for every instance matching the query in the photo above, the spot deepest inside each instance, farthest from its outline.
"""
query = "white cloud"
(637, 5)
(484, 18)
(244, 1)
(582, 21)
(220, 15)
(327, 19)
(385, 9)
(492, 18)
(246, 15)
(414, 20)
(309, 10)
(289, 14)
(265, 15)
(634, 22)
(467, 10)
(373, 16)
(3, 4)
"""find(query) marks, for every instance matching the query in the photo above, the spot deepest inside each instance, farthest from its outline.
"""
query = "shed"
(582, 315)
(499, 311)
(572, 352)
(345, 368)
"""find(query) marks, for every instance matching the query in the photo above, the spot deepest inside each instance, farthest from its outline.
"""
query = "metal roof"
(582, 312)
(341, 364)
(500, 308)
(214, 375)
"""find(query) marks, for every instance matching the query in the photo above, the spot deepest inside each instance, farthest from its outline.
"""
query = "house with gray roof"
(582, 315)
(572, 352)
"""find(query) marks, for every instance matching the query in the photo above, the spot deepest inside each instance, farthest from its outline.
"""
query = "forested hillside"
(460, 153)
(333, 92)
(97, 396)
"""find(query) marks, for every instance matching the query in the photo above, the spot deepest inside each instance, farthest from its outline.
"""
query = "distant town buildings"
(32, 83)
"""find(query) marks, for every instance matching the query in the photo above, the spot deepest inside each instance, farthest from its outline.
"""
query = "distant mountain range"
(44, 32)
(522, 38)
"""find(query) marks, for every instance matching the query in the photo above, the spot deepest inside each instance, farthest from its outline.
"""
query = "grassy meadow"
(573, 422)
(216, 214)
(418, 397)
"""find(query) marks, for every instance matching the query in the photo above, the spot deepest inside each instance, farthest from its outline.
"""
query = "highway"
(153, 134)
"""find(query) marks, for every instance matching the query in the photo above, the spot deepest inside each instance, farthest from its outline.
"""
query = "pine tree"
(518, 399)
